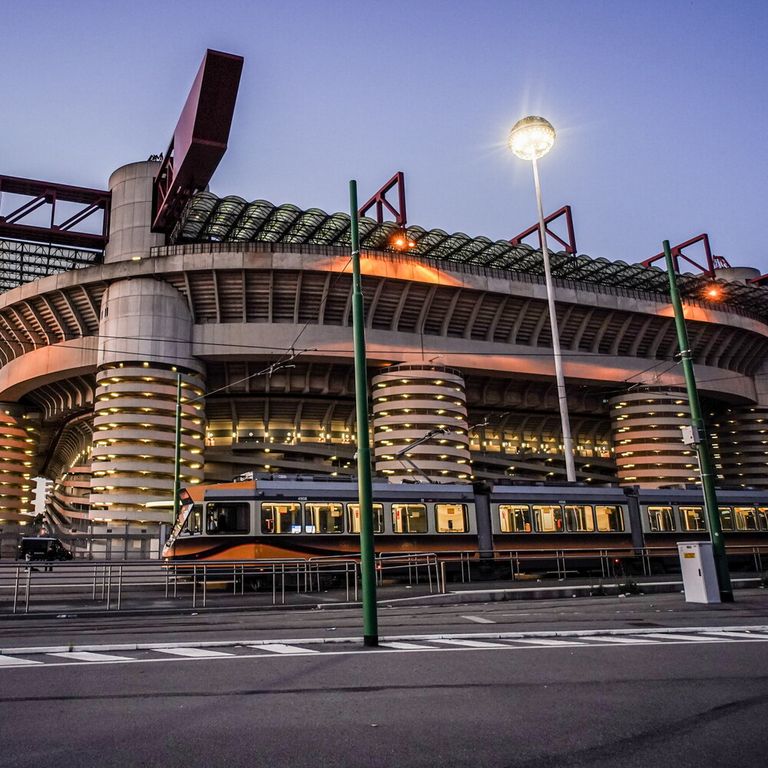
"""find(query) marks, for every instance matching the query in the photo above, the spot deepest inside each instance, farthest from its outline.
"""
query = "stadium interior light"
(531, 137)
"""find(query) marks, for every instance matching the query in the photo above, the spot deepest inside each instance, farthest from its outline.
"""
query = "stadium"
(247, 306)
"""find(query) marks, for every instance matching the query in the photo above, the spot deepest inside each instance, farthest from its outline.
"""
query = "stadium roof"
(208, 218)
(23, 262)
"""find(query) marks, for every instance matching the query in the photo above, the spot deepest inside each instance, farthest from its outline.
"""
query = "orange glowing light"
(714, 293)
(401, 242)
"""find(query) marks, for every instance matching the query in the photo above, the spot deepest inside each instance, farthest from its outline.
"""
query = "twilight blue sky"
(660, 107)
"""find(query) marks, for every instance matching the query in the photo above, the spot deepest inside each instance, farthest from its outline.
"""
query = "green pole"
(364, 490)
(177, 452)
(700, 437)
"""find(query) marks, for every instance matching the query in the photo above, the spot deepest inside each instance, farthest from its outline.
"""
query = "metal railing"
(111, 586)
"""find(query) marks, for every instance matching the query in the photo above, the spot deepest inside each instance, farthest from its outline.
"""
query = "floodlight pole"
(562, 398)
(701, 439)
(364, 488)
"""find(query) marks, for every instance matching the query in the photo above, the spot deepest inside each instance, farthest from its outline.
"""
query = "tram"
(290, 517)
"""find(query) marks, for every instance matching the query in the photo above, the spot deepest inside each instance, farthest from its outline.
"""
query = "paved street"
(696, 700)
(585, 682)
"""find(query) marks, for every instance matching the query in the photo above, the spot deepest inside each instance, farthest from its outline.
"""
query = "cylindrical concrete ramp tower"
(19, 433)
(423, 406)
(647, 440)
(740, 446)
(145, 336)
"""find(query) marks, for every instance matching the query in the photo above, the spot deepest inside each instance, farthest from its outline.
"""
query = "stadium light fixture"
(714, 292)
(530, 139)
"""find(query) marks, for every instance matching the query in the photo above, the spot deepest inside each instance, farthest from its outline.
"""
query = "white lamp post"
(531, 138)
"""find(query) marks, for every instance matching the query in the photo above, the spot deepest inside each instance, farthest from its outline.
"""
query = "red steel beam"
(379, 200)
(712, 262)
(49, 193)
(200, 139)
(569, 246)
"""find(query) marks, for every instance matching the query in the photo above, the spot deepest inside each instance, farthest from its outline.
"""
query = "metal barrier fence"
(109, 585)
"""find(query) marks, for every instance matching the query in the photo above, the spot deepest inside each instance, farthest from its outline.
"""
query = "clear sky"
(661, 107)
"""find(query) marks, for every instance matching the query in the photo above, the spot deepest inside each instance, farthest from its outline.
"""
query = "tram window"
(762, 518)
(515, 518)
(548, 518)
(745, 518)
(610, 517)
(661, 519)
(323, 517)
(221, 518)
(280, 518)
(579, 518)
(353, 518)
(692, 518)
(451, 518)
(409, 518)
(726, 518)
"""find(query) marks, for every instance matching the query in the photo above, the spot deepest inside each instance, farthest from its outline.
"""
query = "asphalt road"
(698, 702)
(583, 682)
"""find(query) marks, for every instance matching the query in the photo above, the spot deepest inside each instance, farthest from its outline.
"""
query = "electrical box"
(697, 564)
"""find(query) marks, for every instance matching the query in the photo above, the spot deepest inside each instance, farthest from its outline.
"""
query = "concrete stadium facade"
(459, 354)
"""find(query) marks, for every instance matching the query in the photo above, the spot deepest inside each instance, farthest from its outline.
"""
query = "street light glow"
(531, 138)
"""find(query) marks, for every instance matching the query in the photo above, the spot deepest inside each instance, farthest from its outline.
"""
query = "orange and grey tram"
(288, 517)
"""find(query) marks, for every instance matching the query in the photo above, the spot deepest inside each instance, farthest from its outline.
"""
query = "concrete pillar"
(409, 401)
(647, 440)
(130, 216)
(144, 342)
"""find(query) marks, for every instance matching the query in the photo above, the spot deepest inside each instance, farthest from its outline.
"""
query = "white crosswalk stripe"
(193, 652)
(621, 639)
(282, 648)
(11, 661)
(738, 635)
(479, 619)
(470, 643)
(402, 646)
(89, 656)
(685, 638)
(543, 641)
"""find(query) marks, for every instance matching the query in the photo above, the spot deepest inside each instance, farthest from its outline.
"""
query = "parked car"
(46, 548)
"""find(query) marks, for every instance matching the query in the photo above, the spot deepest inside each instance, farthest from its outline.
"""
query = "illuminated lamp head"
(400, 241)
(531, 138)
(713, 292)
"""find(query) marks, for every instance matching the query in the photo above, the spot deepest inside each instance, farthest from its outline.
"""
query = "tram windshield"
(185, 509)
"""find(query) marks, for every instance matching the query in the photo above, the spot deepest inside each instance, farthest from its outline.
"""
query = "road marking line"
(675, 636)
(400, 646)
(10, 661)
(478, 619)
(88, 656)
(544, 642)
(197, 653)
(282, 648)
(621, 640)
(739, 635)
(471, 643)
